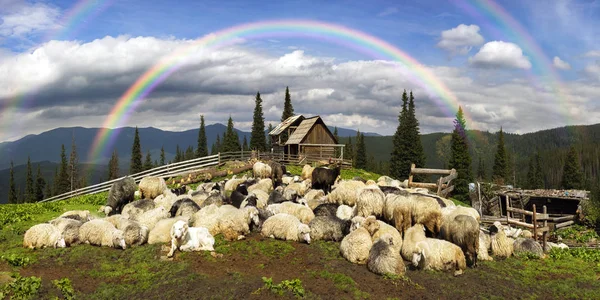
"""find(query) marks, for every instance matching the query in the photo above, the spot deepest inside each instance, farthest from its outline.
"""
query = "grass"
(342, 282)
(345, 173)
(250, 249)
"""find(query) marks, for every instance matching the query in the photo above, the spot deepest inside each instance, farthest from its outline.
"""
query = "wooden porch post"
(534, 224)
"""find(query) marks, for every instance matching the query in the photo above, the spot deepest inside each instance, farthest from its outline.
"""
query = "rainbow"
(305, 28)
(507, 27)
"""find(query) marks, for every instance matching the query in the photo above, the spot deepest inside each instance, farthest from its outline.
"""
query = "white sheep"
(418, 210)
(166, 200)
(261, 170)
(151, 217)
(432, 254)
(134, 233)
(307, 172)
(355, 246)
(232, 184)
(370, 201)
(344, 212)
(134, 209)
(265, 185)
(69, 229)
(345, 192)
(262, 199)
(463, 231)
(79, 215)
(302, 212)
(384, 181)
(299, 187)
(43, 235)
(452, 211)
(386, 229)
(161, 231)
(206, 217)
(235, 224)
(485, 243)
(287, 180)
(390, 203)
(188, 239)
(502, 246)
(314, 198)
(151, 187)
(286, 227)
(101, 233)
(384, 257)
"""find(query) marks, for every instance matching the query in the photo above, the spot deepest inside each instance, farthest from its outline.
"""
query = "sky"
(535, 66)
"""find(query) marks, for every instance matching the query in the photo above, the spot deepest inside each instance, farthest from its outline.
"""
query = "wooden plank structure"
(442, 186)
(536, 217)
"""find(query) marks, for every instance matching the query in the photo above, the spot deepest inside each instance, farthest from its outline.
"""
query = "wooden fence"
(442, 186)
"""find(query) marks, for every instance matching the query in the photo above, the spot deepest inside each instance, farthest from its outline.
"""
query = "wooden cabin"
(300, 136)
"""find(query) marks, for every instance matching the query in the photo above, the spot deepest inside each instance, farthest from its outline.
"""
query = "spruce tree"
(73, 167)
(148, 161)
(500, 170)
(572, 176)
(257, 138)
(460, 159)
(481, 170)
(136, 155)
(178, 157)
(64, 183)
(269, 142)
(510, 169)
(40, 184)
(361, 151)
(29, 184)
(216, 148)
(202, 144)
(113, 166)
(399, 163)
(48, 190)
(245, 146)
(162, 156)
(12, 189)
(231, 142)
(531, 173)
(288, 109)
(539, 174)
(337, 138)
(349, 150)
(414, 147)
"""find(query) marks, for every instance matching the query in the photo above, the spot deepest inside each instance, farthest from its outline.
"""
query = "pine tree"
(399, 164)
(202, 144)
(12, 190)
(189, 153)
(73, 167)
(269, 142)
(48, 190)
(531, 173)
(245, 146)
(231, 142)
(349, 150)
(136, 155)
(510, 169)
(481, 170)
(288, 109)
(40, 184)
(162, 156)
(29, 184)
(178, 157)
(113, 166)
(148, 161)
(155, 164)
(460, 159)
(64, 183)
(337, 138)
(539, 174)
(361, 151)
(414, 147)
(216, 148)
(572, 176)
(500, 170)
(258, 140)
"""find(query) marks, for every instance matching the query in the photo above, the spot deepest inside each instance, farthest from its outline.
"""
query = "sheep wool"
(344, 212)
(151, 217)
(300, 187)
(100, 232)
(286, 227)
(134, 233)
(232, 184)
(485, 243)
(79, 215)
(355, 246)
(235, 224)
(386, 229)
(261, 170)
(370, 201)
(160, 232)
(121, 192)
(329, 228)
(502, 246)
(42, 236)
(439, 255)
(302, 212)
(384, 257)
(151, 187)
(529, 246)
(264, 185)
(463, 231)
(69, 229)
(453, 211)
(390, 203)
(307, 172)
(345, 192)
(134, 209)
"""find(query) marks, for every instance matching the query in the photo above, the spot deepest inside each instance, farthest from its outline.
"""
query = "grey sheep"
(525, 245)
(120, 193)
(69, 228)
(134, 209)
(329, 228)
(462, 231)
(384, 257)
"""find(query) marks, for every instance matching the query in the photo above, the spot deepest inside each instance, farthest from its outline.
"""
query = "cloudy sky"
(522, 65)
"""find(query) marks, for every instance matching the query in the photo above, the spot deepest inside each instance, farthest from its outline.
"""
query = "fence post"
(534, 223)
(410, 177)
(219, 155)
(545, 233)
(507, 206)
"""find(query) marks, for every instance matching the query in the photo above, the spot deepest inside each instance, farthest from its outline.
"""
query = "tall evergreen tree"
(136, 165)
(288, 111)
(539, 174)
(349, 150)
(162, 156)
(29, 184)
(189, 153)
(148, 161)
(337, 138)
(64, 183)
(178, 156)
(48, 190)
(73, 167)
(202, 144)
(572, 176)
(500, 170)
(20, 197)
(231, 142)
(245, 146)
(481, 170)
(416, 154)
(216, 148)
(258, 140)
(269, 143)
(40, 184)
(12, 189)
(113, 166)
(56, 183)
(531, 173)
(510, 169)
(460, 159)
(399, 164)
(361, 151)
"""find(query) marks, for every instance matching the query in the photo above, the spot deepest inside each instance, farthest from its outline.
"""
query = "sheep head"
(107, 210)
(356, 223)
(179, 229)
(304, 232)
(302, 201)
(371, 225)
(60, 243)
(252, 215)
(387, 238)
(418, 257)
(119, 239)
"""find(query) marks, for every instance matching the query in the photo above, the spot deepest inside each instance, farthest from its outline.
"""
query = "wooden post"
(507, 206)
(534, 218)
(545, 233)
(219, 157)
(410, 177)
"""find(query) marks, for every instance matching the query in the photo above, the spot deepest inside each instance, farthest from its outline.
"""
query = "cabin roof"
(576, 195)
(285, 124)
(302, 130)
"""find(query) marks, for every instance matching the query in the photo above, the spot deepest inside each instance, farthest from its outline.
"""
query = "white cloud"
(26, 18)
(561, 64)
(593, 70)
(499, 54)
(461, 39)
(388, 11)
(593, 53)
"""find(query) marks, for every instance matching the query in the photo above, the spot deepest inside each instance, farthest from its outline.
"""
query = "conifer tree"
(202, 144)
(136, 155)
(56, 182)
(399, 164)
(245, 146)
(20, 197)
(539, 174)
(349, 150)
(148, 161)
(414, 147)
(113, 166)
(73, 167)
(361, 151)
(40, 184)
(288, 111)
(231, 142)
(12, 189)
(460, 159)
(531, 173)
(337, 138)
(500, 170)
(510, 169)
(64, 184)
(178, 155)
(258, 140)
(216, 148)
(269, 142)
(572, 176)
(162, 156)
(48, 190)
(481, 170)
(29, 184)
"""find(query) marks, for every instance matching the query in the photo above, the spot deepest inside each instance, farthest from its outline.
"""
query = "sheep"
(134, 233)
(232, 183)
(265, 185)
(329, 228)
(345, 192)
(286, 227)
(463, 231)
(344, 212)
(187, 238)
(432, 254)
(205, 217)
(314, 198)
(277, 171)
(261, 170)
(358, 178)
(79, 215)
(161, 231)
(276, 196)
(386, 229)
(526, 234)
(183, 207)
(391, 201)
(69, 229)
(485, 243)
(453, 211)
(326, 209)
(43, 235)
(235, 224)
(101, 233)
(355, 246)
(502, 246)
(529, 246)
(166, 200)
(262, 198)
(302, 212)
(121, 192)
(307, 171)
(151, 217)
(384, 257)
(417, 210)
(550, 246)
(384, 181)
(134, 209)
(300, 189)
(151, 187)
(323, 178)
(180, 190)
(369, 201)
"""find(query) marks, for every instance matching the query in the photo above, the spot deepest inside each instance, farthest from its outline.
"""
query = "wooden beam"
(563, 219)
(426, 185)
(529, 213)
(565, 224)
(430, 171)
(449, 177)
(523, 224)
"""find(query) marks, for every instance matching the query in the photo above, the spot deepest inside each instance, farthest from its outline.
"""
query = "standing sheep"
(188, 239)
(391, 201)
(286, 227)
(323, 178)
(43, 235)
(369, 201)
(277, 171)
(329, 228)
(502, 246)
(261, 170)
(462, 231)
(307, 171)
(355, 246)
(345, 192)
(120, 193)
(69, 229)
(151, 187)
(101, 233)
(384, 257)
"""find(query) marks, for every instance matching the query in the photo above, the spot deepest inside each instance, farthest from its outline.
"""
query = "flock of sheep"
(381, 224)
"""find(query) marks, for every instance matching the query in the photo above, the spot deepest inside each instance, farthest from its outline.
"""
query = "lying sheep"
(277, 196)
(285, 180)
(432, 254)
(286, 227)
(384, 181)
(79, 215)
(166, 200)
(42, 236)
(262, 198)
(329, 228)
(101, 233)
(265, 185)
(134, 209)
(183, 207)
(307, 171)
(384, 257)
(314, 198)
(214, 197)
(188, 239)
(550, 246)
(462, 231)
(485, 244)
(235, 224)
(345, 192)
(69, 229)
(326, 209)
(369, 201)
(261, 170)
(134, 233)
(344, 212)
(386, 229)
(206, 217)
(302, 212)
(151, 217)
(355, 246)
(121, 192)
(502, 246)
(161, 231)
(151, 187)
(528, 246)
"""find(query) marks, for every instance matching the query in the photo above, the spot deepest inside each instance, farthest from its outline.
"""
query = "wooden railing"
(536, 217)
(442, 186)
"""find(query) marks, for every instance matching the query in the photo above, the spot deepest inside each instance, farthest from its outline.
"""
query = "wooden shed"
(299, 136)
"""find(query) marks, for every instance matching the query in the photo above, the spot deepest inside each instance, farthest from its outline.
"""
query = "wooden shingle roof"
(285, 124)
(302, 131)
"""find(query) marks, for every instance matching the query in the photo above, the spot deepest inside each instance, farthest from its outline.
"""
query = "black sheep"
(179, 191)
(326, 209)
(242, 188)
(181, 204)
(394, 190)
(120, 193)
(236, 198)
(251, 200)
(323, 178)
(276, 196)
